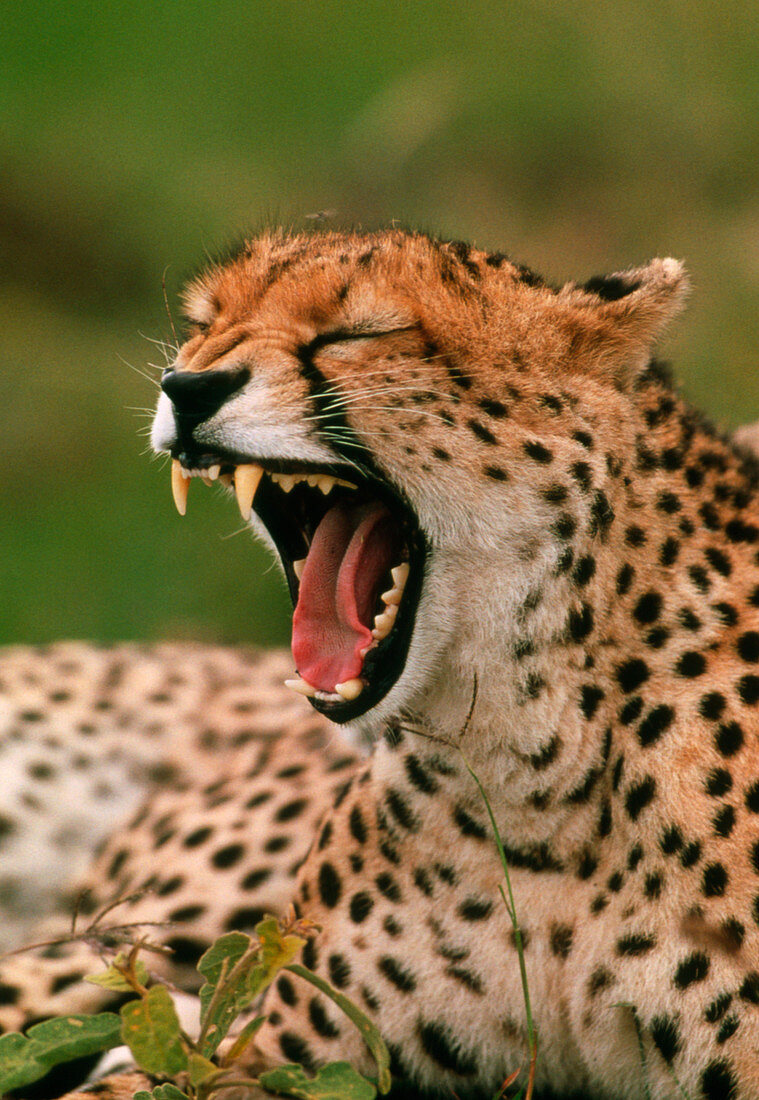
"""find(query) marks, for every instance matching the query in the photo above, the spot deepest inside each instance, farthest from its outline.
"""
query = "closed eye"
(339, 336)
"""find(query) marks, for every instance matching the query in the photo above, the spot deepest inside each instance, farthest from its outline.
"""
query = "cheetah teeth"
(383, 622)
(348, 690)
(325, 482)
(245, 480)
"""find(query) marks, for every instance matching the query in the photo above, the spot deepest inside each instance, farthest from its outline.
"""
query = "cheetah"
(510, 544)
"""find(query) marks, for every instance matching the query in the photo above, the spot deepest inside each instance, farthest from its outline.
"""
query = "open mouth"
(353, 555)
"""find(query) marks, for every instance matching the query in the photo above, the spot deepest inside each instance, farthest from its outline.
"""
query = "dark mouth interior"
(343, 548)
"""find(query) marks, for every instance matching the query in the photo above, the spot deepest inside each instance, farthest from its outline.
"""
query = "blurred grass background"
(137, 137)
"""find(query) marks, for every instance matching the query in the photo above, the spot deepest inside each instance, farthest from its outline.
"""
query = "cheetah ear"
(615, 320)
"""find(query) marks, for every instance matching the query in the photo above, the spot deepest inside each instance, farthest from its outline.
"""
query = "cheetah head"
(385, 408)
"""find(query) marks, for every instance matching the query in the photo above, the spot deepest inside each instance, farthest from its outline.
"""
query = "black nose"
(197, 395)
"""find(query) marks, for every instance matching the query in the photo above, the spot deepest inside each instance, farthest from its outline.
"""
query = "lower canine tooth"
(298, 567)
(301, 686)
(350, 689)
(179, 486)
(247, 479)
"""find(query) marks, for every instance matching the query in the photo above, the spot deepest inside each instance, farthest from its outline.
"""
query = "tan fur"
(587, 634)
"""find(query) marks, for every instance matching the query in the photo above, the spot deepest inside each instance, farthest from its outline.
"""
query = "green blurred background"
(136, 138)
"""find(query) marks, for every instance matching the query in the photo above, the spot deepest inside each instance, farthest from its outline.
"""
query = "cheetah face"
(360, 395)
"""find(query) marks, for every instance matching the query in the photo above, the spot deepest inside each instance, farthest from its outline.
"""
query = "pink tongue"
(352, 549)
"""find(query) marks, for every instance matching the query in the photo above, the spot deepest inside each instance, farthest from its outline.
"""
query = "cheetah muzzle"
(353, 555)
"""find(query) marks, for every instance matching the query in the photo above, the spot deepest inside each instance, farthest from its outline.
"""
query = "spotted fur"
(587, 634)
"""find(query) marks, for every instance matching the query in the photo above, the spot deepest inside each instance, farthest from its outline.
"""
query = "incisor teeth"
(350, 689)
(247, 479)
(298, 567)
(301, 686)
(213, 472)
(179, 486)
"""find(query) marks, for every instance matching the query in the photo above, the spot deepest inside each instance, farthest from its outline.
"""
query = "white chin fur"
(163, 434)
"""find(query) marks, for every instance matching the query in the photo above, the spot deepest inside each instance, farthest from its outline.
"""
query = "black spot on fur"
(493, 408)
(655, 723)
(561, 940)
(438, 1043)
(718, 1081)
(475, 909)
(610, 288)
(690, 665)
(728, 738)
(286, 990)
(339, 971)
(639, 795)
(418, 776)
(397, 973)
(635, 943)
(330, 886)
(537, 452)
(320, 1021)
(467, 825)
(631, 674)
(748, 689)
(693, 968)
(361, 905)
(590, 697)
(648, 607)
(666, 1036)
(296, 1049)
(388, 887)
(228, 856)
(401, 811)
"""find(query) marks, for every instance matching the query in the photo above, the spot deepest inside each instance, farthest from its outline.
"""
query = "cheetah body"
(584, 634)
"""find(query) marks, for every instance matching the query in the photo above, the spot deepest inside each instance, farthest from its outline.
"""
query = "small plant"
(236, 969)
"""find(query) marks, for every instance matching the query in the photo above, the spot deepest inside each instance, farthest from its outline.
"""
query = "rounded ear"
(614, 321)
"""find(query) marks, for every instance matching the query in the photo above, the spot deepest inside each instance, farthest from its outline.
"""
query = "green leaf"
(150, 1028)
(369, 1032)
(26, 1058)
(242, 1040)
(200, 1068)
(336, 1081)
(238, 969)
(161, 1092)
(227, 949)
(112, 978)
(18, 1066)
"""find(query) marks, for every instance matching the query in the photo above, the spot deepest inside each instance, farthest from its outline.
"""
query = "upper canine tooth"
(350, 689)
(179, 486)
(247, 479)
